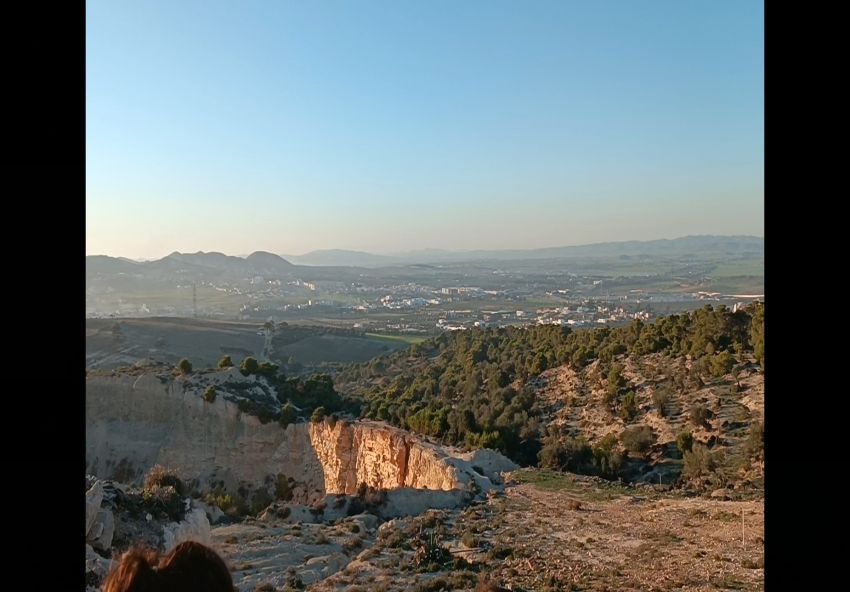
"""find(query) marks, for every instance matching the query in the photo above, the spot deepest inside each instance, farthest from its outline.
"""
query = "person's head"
(190, 566)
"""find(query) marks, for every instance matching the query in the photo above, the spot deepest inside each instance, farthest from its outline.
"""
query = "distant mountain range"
(733, 245)
(341, 257)
(324, 264)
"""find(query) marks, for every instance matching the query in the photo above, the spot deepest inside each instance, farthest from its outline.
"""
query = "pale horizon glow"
(388, 127)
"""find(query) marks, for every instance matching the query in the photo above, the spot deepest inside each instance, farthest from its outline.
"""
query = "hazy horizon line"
(426, 249)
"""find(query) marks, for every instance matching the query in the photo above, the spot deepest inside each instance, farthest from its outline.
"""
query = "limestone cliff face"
(380, 456)
(133, 423)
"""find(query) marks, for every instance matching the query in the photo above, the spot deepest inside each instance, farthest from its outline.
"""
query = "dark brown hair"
(189, 567)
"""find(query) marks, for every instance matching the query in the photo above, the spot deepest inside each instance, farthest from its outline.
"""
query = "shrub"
(637, 439)
(263, 414)
(225, 362)
(210, 394)
(754, 445)
(267, 369)
(485, 584)
(164, 499)
(571, 454)
(249, 366)
(184, 366)
(318, 415)
(260, 501)
(660, 398)
(321, 539)
(699, 462)
(282, 489)
(222, 501)
(159, 476)
(685, 442)
(699, 415)
(607, 456)
(469, 540)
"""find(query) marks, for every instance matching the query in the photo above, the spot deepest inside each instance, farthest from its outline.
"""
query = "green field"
(409, 339)
(747, 267)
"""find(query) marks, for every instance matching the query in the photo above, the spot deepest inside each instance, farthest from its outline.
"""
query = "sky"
(392, 126)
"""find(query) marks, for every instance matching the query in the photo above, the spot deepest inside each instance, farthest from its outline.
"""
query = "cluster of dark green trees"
(460, 387)
(306, 393)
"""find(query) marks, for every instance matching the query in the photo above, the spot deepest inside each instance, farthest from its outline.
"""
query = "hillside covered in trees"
(535, 393)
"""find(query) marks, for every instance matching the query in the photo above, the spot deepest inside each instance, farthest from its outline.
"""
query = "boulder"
(102, 530)
(194, 527)
(95, 563)
(369, 521)
(214, 513)
(94, 496)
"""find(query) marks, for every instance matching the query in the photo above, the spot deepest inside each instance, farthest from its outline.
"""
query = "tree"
(184, 366)
(267, 369)
(249, 366)
(721, 364)
(616, 383)
(210, 394)
(225, 362)
(628, 409)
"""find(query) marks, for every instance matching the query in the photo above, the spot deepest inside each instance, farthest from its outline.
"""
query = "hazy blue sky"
(388, 126)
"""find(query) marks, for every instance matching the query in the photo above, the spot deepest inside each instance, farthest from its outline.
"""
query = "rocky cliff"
(134, 422)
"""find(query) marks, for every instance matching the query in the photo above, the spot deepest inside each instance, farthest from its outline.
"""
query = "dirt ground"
(563, 532)
(640, 542)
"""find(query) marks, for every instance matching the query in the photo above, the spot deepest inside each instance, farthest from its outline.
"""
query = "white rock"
(214, 513)
(104, 527)
(93, 498)
(369, 521)
(195, 527)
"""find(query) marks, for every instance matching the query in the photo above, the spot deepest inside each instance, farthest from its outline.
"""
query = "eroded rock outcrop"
(133, 423)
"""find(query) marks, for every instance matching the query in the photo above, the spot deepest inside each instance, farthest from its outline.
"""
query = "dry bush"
(160, 476)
